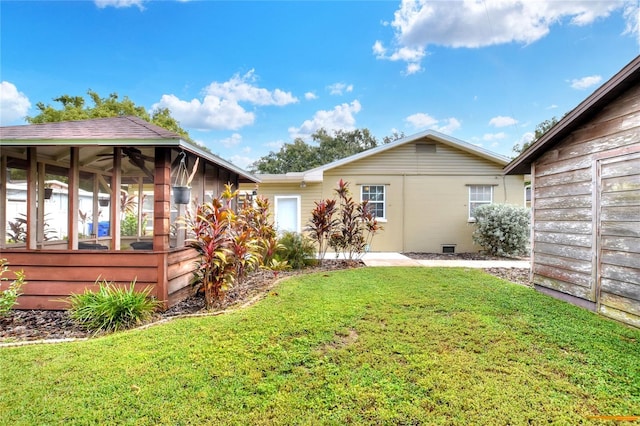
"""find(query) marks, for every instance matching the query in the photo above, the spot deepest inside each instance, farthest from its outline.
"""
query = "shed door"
(618, 238)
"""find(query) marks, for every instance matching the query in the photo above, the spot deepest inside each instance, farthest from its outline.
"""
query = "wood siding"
(586, 210)
(408, 160)
(53, 275)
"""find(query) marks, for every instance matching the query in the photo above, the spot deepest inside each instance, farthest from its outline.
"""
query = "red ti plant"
(344, 225)
(228, 245)
(322, 224)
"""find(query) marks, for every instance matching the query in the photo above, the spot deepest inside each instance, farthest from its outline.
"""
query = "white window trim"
(472, 219)
(382, 219)
(298, 209)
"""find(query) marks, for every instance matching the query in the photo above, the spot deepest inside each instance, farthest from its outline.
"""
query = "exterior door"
(287, 213)
(618, 238)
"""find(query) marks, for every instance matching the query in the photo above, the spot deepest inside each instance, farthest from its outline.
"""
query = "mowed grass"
(363, 346)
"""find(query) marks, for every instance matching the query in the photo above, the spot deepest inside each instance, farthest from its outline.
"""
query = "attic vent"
(425, 148)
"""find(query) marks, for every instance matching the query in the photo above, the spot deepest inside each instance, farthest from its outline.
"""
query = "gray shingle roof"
(111, 128)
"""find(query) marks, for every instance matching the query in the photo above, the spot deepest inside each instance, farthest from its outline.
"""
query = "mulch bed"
(50, 325)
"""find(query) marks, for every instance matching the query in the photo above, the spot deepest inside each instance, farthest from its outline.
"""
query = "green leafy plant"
(352, 229)
(9, 295)
(231, 245)
(502, 229)
(112, 308)
(297, 250)
(129, 225)
(322, 224)
(276, 266)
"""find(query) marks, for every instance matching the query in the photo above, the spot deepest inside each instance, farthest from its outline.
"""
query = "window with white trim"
(479, 195)
(375, 196)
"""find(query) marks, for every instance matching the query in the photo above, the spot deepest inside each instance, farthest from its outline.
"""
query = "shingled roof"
(111, 128)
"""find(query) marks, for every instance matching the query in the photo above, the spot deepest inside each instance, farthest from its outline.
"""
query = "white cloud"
(119, 3)
(14, 105)
(494, 136)
(585, 82)
(449, 126)
(240, 88)
(212, 113)
(233, 140)
(341, 117)
(552, 106)
(220, 107)
(472, 24)
(502, 121)
(242, 161)
(340, 88)
(310, 96)
(422, 121)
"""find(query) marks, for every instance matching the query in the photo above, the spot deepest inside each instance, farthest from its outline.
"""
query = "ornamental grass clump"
(9, 295)
(502, 229)
(112, 308)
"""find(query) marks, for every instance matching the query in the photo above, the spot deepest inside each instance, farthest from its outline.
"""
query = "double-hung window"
(375, 196)
(479, 195)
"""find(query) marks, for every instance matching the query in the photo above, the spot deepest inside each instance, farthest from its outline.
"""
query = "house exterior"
(111, 215)
(585, 175)
(423, 189)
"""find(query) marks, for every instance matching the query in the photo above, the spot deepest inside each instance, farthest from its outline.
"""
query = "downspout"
(404, 214)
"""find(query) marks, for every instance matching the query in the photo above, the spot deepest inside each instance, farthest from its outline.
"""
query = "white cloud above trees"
(220, 106)
(14, 105)
(341, 117)
(474, 24)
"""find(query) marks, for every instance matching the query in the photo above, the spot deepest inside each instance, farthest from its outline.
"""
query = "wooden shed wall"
(568, 226)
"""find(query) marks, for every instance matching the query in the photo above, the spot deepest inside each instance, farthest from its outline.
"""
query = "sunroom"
(99, 199)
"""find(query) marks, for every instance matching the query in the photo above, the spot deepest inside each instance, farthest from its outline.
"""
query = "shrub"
(352, 229)
(112, 308)
(296, 249)
(9, 295)
(230, 244)
(502, 229)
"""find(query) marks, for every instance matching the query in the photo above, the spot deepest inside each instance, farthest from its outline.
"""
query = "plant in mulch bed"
(9, 295)
(345, 225)
(112, 308)
(230, 244)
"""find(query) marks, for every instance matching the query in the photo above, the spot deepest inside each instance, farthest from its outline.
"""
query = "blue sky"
(245, 77)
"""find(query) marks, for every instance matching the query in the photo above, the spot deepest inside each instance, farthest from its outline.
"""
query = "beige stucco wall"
(426, 194)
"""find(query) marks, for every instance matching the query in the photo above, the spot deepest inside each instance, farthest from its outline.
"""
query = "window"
(478, 196)
(374, 194)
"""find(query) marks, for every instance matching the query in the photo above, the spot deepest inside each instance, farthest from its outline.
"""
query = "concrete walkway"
(397, 259)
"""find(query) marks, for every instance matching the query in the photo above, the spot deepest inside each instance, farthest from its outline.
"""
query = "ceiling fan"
(135, 156)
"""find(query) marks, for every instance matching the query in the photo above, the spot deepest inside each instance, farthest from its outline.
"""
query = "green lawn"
(363, 346)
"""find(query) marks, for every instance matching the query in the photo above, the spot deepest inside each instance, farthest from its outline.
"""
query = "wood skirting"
(52, 275)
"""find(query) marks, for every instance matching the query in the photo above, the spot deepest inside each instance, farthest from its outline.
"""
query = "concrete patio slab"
(397, 259)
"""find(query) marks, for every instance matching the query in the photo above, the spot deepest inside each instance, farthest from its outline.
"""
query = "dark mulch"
(48, 325)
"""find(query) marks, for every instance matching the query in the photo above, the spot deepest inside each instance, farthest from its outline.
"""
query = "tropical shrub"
(296, 249)
(322, 224)
(9, 295)
(345, 225)
(112, 308)
(230, 244)
(502, 229)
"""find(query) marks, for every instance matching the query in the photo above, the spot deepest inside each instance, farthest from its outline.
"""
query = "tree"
(74, 108)
(300, 156)
(540, 130)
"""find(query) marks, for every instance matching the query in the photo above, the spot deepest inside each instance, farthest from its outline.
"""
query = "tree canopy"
(76, 108)
(300, 156)
(540, 130)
